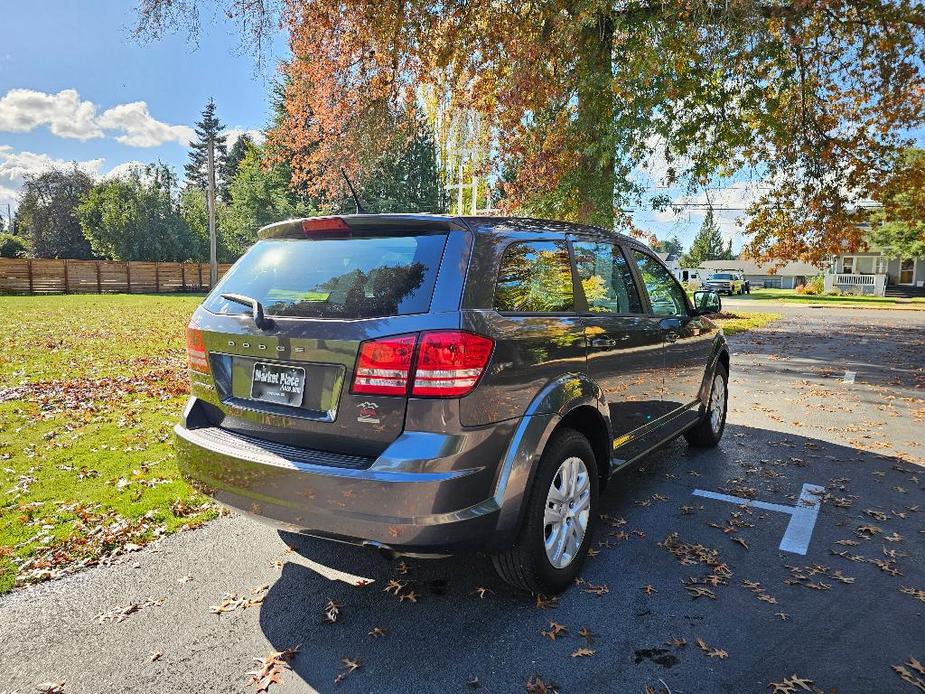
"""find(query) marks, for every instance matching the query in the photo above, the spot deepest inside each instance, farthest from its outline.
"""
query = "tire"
(708, 431)
(527, 565)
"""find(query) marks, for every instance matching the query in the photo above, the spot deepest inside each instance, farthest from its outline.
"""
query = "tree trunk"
(596, 122)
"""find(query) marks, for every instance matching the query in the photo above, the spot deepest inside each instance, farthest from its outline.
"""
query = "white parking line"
(802, 516)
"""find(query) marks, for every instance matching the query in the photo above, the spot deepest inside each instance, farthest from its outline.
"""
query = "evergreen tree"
(233, 161)
(208, 129)
(673, 245)
(407, 178)
(707, 245)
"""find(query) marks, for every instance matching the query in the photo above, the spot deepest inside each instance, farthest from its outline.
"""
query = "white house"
(872, 272)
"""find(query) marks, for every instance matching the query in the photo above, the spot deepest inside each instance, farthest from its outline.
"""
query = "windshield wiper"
(260, 320)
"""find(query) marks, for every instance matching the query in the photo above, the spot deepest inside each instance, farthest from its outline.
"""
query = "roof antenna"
(361, 209)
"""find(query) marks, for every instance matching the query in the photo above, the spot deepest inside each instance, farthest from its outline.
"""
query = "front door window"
(906, 270)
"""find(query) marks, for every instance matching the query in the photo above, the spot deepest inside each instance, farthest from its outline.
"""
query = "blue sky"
(72, 77)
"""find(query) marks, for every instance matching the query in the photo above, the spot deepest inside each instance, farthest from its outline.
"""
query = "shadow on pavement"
(844, 631)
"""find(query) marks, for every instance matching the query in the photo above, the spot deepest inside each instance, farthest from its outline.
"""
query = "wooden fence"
(44, 276)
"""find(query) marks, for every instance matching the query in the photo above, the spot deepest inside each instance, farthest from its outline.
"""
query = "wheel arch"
(573, 400)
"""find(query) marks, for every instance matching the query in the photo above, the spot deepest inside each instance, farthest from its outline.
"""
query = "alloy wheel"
(568, 506)
(718, 403)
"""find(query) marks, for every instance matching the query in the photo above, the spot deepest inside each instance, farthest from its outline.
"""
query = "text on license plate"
(284, 385)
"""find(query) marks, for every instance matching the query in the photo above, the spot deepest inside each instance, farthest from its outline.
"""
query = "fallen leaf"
(700, 592)
(378, 632)
(710, 651)
(649, 589)
(677, 642)
(51, 687)
(586, 634)
(331, 611)
(271, 668)
(350, 665)
(555, 631)
(600, 590)
(790, 684)
(394, 586)
(535, 685)
(482, 591)
(583, 652)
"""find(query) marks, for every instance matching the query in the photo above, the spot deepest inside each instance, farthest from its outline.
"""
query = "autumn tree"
(816, 98)
(47, 213)
(898, 227)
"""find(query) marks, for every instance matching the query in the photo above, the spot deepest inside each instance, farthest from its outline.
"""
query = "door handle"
(607, 342)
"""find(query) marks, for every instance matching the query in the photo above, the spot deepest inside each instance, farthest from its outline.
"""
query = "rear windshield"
(335, 278)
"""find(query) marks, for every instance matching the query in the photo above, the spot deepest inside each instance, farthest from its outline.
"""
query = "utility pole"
(9, 219)
(210, 199)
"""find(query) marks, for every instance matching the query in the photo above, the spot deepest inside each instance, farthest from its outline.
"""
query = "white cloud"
(141, 129)
(15, 166)
(232, 135)
(65, 114)
(124, 170)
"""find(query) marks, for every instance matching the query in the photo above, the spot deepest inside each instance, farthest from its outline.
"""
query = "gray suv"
(429, 385)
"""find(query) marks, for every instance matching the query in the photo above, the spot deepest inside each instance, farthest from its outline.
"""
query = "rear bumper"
(427, 493)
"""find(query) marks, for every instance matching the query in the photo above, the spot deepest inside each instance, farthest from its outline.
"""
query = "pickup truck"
(725, 283)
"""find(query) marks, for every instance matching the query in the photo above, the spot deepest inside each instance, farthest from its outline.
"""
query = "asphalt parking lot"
(687, 592)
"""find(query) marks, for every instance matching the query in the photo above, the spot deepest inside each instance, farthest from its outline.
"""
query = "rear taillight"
(384, 365)
(196, 355)
(449, 364)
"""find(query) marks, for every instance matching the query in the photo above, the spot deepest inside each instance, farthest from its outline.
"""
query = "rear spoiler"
(361, 225)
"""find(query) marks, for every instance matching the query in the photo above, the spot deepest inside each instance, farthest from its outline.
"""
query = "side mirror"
(706, 302)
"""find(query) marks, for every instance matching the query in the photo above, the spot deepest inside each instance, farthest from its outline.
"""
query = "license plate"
(283, 385)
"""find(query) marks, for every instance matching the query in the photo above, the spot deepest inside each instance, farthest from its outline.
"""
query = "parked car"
(725, 283)
(430, 385)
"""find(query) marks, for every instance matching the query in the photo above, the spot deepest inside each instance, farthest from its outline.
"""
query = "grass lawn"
(732, 323)
(90, 387)
(788, 296)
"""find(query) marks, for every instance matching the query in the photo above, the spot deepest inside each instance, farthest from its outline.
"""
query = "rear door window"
(535, 277)
(606, 278)
(359, 277)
